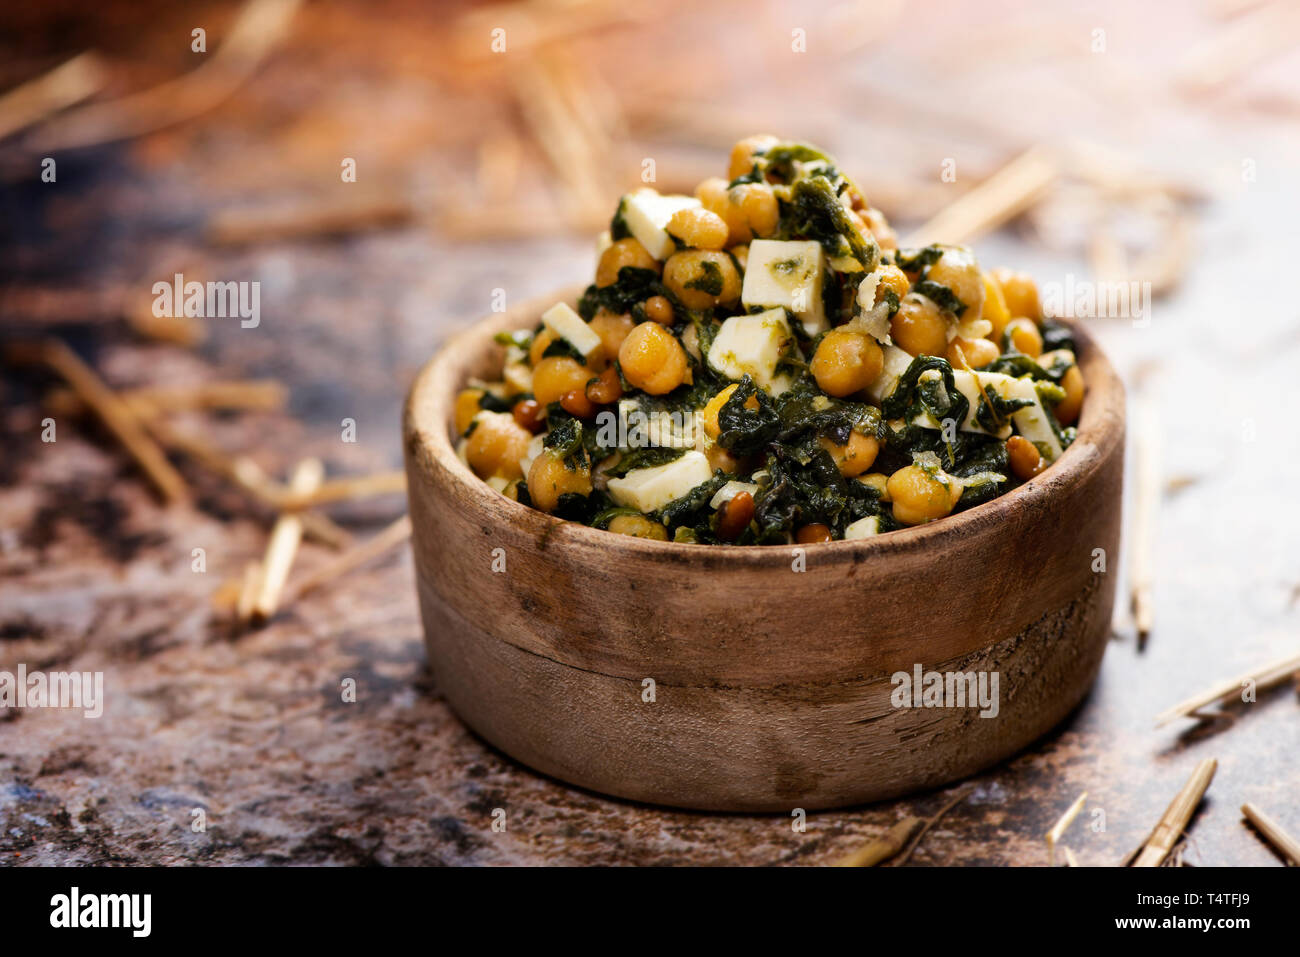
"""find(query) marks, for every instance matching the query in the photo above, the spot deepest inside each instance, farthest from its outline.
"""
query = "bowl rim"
(1100, 427)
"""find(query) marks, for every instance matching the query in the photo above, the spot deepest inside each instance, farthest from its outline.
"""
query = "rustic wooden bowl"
(772, 687)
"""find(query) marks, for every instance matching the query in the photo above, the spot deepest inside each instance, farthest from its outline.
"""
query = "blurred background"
(382, 169)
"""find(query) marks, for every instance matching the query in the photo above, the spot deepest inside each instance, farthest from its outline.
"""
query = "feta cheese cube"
(568, 325)
(754, 345)
(896, 363)
(650, 489)
(863, 528)
(646, 214)
(787, 273)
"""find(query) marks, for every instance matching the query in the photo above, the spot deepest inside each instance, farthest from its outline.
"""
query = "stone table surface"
(253, 729)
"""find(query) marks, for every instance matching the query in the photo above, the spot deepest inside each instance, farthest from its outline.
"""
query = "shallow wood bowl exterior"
(771, 686)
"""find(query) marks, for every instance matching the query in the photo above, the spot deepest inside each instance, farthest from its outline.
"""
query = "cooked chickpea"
(496, 445)
(741, 255)
(702, 279)
(712, 193)
(1025, 337)
(995, 308)
(977, 353)
(659, 309)
(549, 478)
(577, 404)
(894, 280)
(922, 496)
(879, 481)
(812, 534)
(709, 415)
(734, 516)
(624, 252)
(530, 414)
(855, 456)
(1020, 293)
(1067, 410)
(919, 328)
(612, 329)
(742, 154)
(556, 375)
(758, 203)
(466, 408)
(605, 388)
(1025, 459)
(699, 227)
(720, 458)
(879, 227)
(652, 359)
(541, 342)
(638, 526)
(846, 362)
(957, 270)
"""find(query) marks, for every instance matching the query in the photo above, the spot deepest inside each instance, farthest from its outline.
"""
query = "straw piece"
(115, 414)
(248, 476)
(390, 536)
(1007, 193)
(258, 27)
(251, 585)
(234, 227)
(1070, 859)
(346, 489)
(1066, 819)
(1146, 502)
(1266, 676)
(178, 330)
(1273, 833)
(31, 102)
(929, 823)
(885, 847)
(149, 401)
(1233, 49)
(1176, 816)
(286, 536)
(534, 23)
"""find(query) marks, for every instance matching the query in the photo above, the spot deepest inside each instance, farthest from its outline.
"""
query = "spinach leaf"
(912, 395)
(815, 212)
(941, 295)
(1057, 335)
(644, 458)
(744, 431)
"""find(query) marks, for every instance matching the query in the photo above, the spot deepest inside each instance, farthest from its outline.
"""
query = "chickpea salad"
(761, 364)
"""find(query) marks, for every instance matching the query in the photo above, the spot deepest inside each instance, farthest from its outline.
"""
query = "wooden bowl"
(771, 687)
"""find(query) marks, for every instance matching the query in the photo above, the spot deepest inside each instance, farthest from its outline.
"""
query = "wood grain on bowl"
(772, 686)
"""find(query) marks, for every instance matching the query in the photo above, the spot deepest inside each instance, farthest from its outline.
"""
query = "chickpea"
(758, 204)
(1020, 292)
(957, 270)
(702, 279)
(549, 478)
(699, 227)
(741, 255)
(879, 227)
(921, 496)
(879, 481)
(918, 327)
(577, 404)
(659, 309)
(812, 534)
(1026, 461)
(742, 154)
(638, 526)
(557, 375)
(466, 408)
(712, 193)
(720, 458)
(1067, 410)
(541, 342)
(854, 457)
(652, 359)
(976, 352)
(496, 445)
(612, 329)
(1025, 337)
(995, 308)
(734, 516)
(894, 280)
(846, 362)
(624, 252)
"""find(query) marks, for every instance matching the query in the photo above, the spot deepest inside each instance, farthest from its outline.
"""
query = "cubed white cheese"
(754, 345)
(568, 325)
(1031, 421)
(730, 491)
(895, 364)
(863, 528)
(646, 214)
(969, 384)
(641, 428)
(787, 273)
(650, 489)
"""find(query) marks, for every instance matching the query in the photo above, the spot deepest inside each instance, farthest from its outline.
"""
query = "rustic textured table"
(254, 728)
